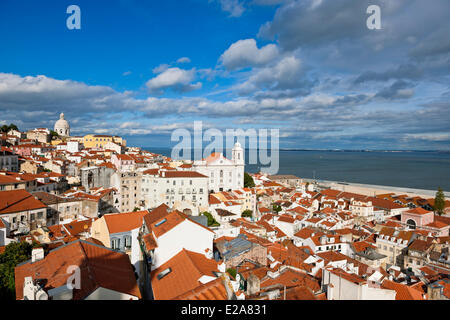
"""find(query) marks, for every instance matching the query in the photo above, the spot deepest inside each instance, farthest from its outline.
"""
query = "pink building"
(123, 162)
(423, 219)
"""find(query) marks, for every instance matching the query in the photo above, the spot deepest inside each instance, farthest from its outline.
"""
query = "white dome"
(237, 145)
(62, 126)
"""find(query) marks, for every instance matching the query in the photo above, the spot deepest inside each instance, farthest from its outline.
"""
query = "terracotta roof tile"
(186, 268)
(99, 266)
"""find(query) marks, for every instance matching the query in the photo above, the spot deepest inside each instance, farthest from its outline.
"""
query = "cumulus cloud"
(174, 78)
(245, 53)
(285, 78)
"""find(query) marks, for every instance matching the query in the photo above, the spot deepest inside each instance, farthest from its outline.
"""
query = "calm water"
(421, 170)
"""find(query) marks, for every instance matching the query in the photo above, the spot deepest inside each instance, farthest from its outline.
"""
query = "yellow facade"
(100, 141)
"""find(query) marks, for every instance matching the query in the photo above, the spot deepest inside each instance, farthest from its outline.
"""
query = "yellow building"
(100, 141)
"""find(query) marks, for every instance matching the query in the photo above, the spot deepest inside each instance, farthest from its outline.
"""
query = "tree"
(232, 272)
(211, 221)
(15, 253)
(53, 134)
(439, 202)
(276, 208)
(5, 128)
(248, 181)
(247, 214)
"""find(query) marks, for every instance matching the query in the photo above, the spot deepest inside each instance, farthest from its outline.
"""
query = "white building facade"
(177, 189)
(224, 174)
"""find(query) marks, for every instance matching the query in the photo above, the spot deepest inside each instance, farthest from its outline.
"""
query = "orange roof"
(17, 201)
(418, 210)
(360, 246)
(122, 222)
(213, 200)
(77, 227)
(291, 278)
(99, 266)
(298, 293)
(213, 290)
(186, 268)
(183, 174)
(403, 291)
(149, 242)
(167, 223)
(286, 218)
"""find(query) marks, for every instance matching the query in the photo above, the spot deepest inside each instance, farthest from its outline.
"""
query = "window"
(115, 243)
(163, 273)
(127, 242)
(161, 222)
(32, 217)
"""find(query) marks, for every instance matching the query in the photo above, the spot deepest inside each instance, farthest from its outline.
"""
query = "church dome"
(62, 126)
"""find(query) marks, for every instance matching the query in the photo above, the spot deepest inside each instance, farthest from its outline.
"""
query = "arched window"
(221, 173)
(411, 223)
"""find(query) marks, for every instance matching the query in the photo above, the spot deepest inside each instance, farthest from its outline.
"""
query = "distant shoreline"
(324, 150)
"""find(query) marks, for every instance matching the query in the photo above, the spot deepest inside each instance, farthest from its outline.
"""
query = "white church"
(224, 174)
(62, 126)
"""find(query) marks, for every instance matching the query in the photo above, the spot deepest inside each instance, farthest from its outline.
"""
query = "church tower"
(238, 154)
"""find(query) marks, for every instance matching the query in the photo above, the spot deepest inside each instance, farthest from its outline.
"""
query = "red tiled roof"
(18, 201)
(99, 266)
(127, 221)
(213, 290)
(187, 268)
(418, 210)
(403, 291)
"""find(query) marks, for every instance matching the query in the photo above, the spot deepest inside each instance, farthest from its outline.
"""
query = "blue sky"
(310, 68)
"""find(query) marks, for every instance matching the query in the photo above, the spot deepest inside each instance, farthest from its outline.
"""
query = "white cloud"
(175, 78)
(184, 60)
(245, 53)
(161, 68)
(285, 74)
(234, 7)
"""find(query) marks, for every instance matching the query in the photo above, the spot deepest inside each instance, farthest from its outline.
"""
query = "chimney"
(253, 285)
(37, 254)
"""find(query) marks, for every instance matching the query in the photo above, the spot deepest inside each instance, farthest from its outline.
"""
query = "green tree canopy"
(15, 253)
(211, 221)
(53, 134)
(247, 214)
(6, 128)
(232, 272)
(248, 181)
(276, 208)
(439, 202)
